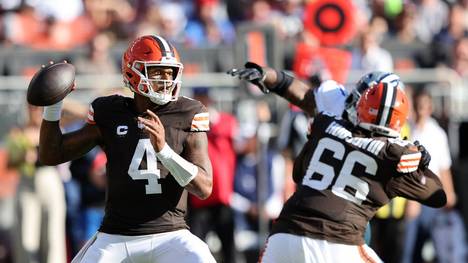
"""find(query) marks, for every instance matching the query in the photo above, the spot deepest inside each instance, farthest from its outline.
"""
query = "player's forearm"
(192, 170)
(196, 179)
(302, 96)
(201, 186)
(297, 92)
(56, 148)
(50, 142)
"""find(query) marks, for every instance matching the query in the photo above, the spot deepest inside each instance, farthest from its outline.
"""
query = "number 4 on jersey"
(151, 173)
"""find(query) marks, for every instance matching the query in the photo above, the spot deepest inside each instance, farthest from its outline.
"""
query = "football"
(51, 84)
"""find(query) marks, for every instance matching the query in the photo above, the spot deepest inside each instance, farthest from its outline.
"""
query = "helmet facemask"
(139, 63)
(159, 90)
(350, 106)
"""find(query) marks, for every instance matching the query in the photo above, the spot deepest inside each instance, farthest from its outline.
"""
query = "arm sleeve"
(421, 185)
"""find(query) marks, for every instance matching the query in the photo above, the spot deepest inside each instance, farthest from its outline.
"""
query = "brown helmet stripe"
(166, 48)
(391, 106)
(382, 103)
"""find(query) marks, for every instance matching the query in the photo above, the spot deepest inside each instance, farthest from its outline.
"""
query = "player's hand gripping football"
(252, 73)
(154, 127)
(425, 156)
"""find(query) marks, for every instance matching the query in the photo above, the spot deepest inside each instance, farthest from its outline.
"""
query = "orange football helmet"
(383, 109)
(152, 51)
(365, 82)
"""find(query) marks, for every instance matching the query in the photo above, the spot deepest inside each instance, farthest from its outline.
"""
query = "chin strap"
(182, 170)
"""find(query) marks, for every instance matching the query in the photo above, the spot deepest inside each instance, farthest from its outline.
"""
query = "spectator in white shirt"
(369, 55)
(443, 226)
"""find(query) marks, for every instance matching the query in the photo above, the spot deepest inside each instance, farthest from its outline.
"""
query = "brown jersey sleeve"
(98, 108)
(422, 186)
(411, 181)
(200, 122)
(188, 115)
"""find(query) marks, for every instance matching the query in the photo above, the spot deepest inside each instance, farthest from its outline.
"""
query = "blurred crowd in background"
(386, 34)
(47, 213)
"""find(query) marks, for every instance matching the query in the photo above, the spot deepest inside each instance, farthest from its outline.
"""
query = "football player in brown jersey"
(156, 147)
(345, 173)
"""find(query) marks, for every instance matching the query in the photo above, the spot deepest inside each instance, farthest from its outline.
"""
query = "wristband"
(282, 84)
(53, 112)
(182, 170)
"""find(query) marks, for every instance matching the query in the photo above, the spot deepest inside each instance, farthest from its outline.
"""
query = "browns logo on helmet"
(383, 109)
(152, 51)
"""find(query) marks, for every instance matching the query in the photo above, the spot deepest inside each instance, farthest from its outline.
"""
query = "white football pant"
(179, 246)
(287, 248)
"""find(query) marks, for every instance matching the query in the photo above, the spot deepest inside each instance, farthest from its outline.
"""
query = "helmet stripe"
(391, 78)
(172, 50)
(165, 47)
(390, 93)
(382, 104)
(391, 106)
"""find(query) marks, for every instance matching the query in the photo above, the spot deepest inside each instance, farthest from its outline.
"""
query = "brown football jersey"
(142, 197)
(343, 179)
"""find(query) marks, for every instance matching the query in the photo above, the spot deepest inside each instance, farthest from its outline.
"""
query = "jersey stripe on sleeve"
(200, 122)
(409, 162)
